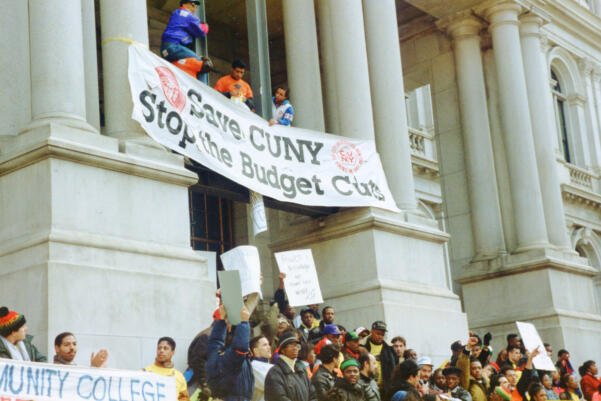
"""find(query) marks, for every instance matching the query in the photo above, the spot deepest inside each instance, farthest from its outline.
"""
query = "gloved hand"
(487, 338)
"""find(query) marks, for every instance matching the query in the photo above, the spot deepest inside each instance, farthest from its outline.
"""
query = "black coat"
(282, 384)
(323, 380)
(388, 360)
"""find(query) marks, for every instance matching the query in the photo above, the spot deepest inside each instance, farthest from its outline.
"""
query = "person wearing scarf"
(14, 342)
(163, 366)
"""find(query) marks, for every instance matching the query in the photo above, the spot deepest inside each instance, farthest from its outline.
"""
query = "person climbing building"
(178, 39)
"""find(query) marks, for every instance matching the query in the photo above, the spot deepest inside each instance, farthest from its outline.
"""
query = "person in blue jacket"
(178, 39)
(282, 110)
(229, 369)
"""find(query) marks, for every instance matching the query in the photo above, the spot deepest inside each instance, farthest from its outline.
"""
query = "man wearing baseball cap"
(385, 355)
(14, 341)
(351, 346)
(178, 39)
(288, 379)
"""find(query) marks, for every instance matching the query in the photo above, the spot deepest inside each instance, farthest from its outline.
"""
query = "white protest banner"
(45, 382)
(246, 260)
(285, 163)
(533, 341)
(231, 295)
(302, 285)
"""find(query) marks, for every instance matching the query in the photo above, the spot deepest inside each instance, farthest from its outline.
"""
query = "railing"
(579, 176)
(422, 144)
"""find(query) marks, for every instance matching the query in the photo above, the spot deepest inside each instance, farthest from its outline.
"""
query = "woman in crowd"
(589, 382)
(570, 385)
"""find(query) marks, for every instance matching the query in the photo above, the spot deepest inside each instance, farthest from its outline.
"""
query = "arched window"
(559, 103)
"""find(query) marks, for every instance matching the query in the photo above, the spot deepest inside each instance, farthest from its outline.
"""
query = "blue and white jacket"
(183, 27)
(284, 113)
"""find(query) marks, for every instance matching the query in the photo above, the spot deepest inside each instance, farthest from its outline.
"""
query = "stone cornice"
(424, 166)
(573, 194)
(507, 265)
(361, 219)
(461, 25)
(55, 141)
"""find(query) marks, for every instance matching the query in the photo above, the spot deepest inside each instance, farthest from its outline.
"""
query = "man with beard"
(65, 346)
(368, 374)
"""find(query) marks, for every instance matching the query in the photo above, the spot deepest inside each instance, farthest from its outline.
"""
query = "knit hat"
(503, 393)
(287, 338)
(10, 321)
(348, 363)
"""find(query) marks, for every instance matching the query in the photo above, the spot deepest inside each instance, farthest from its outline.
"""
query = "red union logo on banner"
(170, 86)
(347, 156)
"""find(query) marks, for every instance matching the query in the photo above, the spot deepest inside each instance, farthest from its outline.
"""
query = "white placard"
(246, 260)
(257, 207)
(285, 163)
(47, 382)
(533, 341)
(301, 282)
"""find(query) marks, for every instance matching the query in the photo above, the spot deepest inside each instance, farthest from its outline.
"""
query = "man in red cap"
(14, 341)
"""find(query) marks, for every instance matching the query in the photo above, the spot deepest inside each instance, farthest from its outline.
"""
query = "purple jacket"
(183, 27)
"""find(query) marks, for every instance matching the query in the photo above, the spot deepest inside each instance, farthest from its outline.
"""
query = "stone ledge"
(355, 220)
(506, 265)
(573, 194)
(66, 143)
(354, 288)
(542, 314)
(107, 242)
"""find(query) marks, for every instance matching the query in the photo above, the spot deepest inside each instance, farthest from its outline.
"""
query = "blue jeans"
(174, 51)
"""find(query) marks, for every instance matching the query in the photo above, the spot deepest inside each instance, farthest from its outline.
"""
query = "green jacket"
(34, 354)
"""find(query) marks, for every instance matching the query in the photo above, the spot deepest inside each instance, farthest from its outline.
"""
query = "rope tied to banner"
(120, 38)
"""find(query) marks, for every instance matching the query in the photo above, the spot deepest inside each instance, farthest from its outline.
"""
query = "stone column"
(57, 73)
(596, 75)
(329, 77)
(302, 63)
(350, 72)
(594, 147)
(535, 68)
(390, 119)
(15, 96)
(484, 200)
(527, 200)
(120, 19)
(597, 7)
(90, 63)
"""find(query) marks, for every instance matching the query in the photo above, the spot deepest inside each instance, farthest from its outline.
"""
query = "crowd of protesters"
(310, 356)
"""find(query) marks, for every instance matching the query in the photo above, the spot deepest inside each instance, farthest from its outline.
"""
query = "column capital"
(531, 24)
(461, 25)
(500, 12)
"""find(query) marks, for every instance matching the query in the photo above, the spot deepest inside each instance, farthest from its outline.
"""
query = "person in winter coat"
(589, 383)
(563, 363)
(351, 349)
(348, 387)
(385, 354)
(229, 369)
(283, 112)
(368, 372)
(405, 380)
(14, 341)
(452, 375)
(287, 380)
(471, 377)
(325, 376)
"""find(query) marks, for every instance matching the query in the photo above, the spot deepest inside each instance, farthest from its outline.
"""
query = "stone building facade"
(486, 114)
